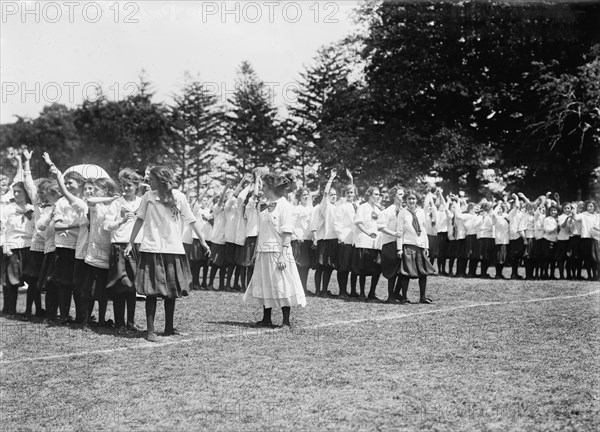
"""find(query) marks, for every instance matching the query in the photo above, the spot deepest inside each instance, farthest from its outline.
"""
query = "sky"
(61, 51)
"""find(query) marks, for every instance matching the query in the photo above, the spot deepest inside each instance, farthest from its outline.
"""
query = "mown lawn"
(488, 355)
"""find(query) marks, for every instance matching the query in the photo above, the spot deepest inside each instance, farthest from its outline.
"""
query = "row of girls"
(83, 242)
(80, 241)
(541, 235)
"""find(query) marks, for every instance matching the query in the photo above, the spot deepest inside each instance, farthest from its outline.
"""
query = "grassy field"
(488, 355)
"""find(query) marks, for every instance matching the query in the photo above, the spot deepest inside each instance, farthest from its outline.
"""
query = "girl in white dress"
(275, 282)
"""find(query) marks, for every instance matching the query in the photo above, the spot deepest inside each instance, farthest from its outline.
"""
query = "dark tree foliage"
(133, 132)
(452, 88)
(197, 130)
(254, 136)
(325, 118)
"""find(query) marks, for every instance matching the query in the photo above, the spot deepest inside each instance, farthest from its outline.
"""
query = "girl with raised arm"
(275, 282)
(163, 269)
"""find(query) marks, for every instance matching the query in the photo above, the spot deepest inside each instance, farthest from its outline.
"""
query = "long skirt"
(304, 253)
(366, 262)
(390, 263)
(414, 263)
(327, 253)
(272, 287)
(121, 270)
(345, 257)
(163, 275)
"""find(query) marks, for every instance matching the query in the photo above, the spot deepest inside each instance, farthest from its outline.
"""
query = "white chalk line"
(150, 345)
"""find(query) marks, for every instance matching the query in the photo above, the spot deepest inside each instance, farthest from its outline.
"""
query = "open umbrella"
(88, 171)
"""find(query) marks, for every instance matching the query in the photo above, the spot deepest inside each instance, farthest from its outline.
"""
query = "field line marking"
(262, 331)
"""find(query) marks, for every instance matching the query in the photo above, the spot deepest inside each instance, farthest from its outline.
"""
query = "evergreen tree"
(253, 134)
(197, 127)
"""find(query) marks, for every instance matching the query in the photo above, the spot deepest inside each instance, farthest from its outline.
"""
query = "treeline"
(480, 96)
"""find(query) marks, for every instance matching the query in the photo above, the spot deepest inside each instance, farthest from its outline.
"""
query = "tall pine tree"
(253, 132)
(197, 126)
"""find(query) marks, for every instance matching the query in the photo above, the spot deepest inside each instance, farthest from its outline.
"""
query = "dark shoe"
(264, 324)
(106, 324)
(134, 328)
(426, 301)
(405, 301)
(373, 298)
(516, 277)
(172, 332)
(354, 295)
(343, 294)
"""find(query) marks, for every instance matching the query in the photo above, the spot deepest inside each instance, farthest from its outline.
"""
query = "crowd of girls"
(84, 241)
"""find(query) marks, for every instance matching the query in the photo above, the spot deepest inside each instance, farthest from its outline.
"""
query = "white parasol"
(88, 171)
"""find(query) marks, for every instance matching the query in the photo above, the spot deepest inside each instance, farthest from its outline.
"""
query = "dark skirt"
(535, 251)
(434, 248)
(34, 264)
(163, 275)
(94, 284)
(575, 246)
(13, 266)
(585, 249)
(47, 271)
(452, 251)
(442, 245)
(366, 262)
(64, 266)
(560, 250)
(471, 249)
(487, 250)
(244, 255)
(229, 254)
(390, 263)
(122, 270)
(501, 254)
(195, 252)
(516, 249)
(217, 255)
(345, 257)
(461, 248)
(304, 253)
(327, 253)
(414, 263)
(546, 249)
